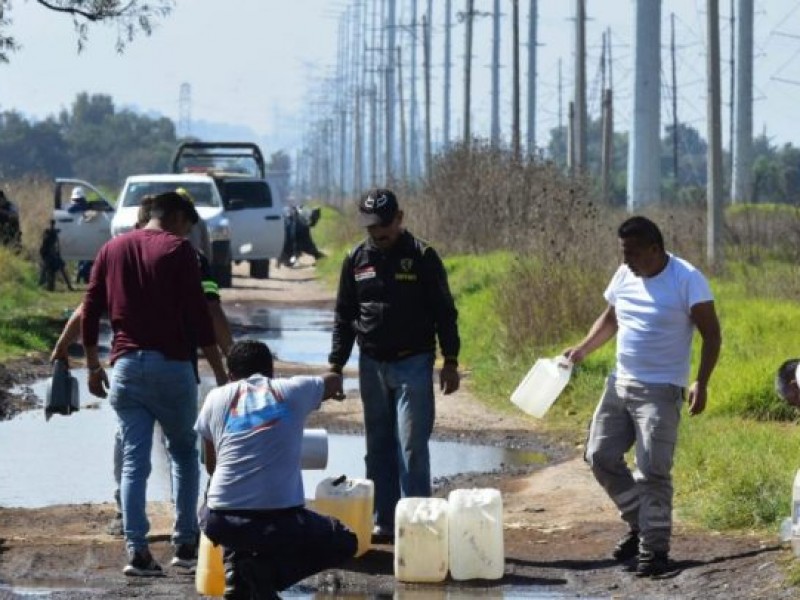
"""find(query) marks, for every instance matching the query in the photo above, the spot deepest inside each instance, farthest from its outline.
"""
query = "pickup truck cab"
(253, 207)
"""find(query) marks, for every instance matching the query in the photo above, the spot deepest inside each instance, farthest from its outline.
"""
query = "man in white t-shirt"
(252, 431)
(655, 300)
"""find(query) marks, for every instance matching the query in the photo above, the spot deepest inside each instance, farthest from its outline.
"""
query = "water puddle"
(68, 460)
(301, 335)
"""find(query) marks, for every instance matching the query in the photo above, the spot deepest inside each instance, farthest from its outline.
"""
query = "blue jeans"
(145, 388)
(398, 420)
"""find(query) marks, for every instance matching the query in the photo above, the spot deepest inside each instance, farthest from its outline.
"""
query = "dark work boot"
(652, 564)
(627, 547)
(235, 588)
(248, 578)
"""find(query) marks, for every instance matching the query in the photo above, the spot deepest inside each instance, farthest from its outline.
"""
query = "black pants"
(296, 542)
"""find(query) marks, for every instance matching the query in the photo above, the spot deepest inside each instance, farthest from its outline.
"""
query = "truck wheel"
(223, 275)
(259, 269)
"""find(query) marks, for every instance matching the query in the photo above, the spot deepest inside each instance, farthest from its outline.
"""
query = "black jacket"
(394, 302)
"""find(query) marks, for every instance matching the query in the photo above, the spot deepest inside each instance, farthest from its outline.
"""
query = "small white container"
(796, 514)
(420, 540)
(476, 534)
(542, 385)
(350, 501)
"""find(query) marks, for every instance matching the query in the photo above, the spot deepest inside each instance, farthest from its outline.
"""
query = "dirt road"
(559, 527)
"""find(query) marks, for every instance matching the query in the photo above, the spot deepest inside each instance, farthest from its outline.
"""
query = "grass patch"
(30, 318)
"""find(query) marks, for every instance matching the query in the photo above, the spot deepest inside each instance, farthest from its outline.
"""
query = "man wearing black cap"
(395, 301)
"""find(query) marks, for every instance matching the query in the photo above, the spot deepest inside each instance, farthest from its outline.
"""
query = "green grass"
(735, 463)
(30, 318)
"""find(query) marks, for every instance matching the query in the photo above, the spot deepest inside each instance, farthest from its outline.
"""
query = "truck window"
(201, 192)
(251, 194)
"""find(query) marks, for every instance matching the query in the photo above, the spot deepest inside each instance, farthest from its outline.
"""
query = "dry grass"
(34, 198)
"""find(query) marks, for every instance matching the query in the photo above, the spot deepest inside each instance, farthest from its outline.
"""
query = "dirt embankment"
(559, 526)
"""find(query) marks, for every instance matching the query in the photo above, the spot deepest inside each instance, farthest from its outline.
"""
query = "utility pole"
(403, 147)
(358, 143)
(448, 27)
(495, 131)
(373, 100)
(533, 32)
(414, 120)
(426, 37)
(644, 149)
(607, 119)
(580, 163)
(742, 187)
(390, 82)
(561, 114)
(714, 193)
(468, 72)
(732, 95)
(515, 132)
(675, 173)
(571, 139)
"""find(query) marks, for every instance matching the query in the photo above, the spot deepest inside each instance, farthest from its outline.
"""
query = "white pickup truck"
(243, 216)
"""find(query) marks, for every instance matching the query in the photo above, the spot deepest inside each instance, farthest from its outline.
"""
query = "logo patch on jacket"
(407, 264)
(365, 273)
(406, 273)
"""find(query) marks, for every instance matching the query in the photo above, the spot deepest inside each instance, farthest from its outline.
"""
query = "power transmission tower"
(607, 117)
(533, 32)
(732, 95)
(413, 118)
(714, 199)
(742, 187)
(571, 138)
(561, 113)
(185, 111)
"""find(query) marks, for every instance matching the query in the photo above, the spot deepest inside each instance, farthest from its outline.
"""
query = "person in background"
(148, 282)
(10, 233)
(252, 432)
(394, 300)
(655, 301)
(786, 382)
(50, 261)
(77, 200)
(71, 334)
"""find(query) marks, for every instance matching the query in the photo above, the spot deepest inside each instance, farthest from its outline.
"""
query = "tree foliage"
(130, 17)
(92, 140)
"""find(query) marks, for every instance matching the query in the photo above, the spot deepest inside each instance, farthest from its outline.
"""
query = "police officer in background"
(394, 300)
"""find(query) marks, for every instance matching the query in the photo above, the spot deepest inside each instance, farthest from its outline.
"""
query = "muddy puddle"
(300, 335)
(68, 460)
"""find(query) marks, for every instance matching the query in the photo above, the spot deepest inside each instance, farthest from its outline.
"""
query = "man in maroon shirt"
(148, 283)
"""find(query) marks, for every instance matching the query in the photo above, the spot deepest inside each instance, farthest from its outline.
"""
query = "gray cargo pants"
(647, 415)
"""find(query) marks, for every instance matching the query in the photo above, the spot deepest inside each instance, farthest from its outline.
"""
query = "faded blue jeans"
(398, 419)
(145, 388)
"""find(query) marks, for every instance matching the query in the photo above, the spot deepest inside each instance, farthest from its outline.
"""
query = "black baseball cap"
(377, 207)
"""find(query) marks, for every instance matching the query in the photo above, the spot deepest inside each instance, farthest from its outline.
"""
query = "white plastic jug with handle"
(542, 385)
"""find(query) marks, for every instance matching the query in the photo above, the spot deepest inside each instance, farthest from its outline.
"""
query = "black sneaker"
(382, 535)
(185, 556)
(142, 564)
(627, 547)
(114, 526)
(652, 564)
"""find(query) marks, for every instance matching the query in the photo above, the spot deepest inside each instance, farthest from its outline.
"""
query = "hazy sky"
(259, 63)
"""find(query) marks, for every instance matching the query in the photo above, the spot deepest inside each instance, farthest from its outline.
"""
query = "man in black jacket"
(395, 301)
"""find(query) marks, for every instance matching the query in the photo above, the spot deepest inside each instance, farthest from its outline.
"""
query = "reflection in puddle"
(68, 460)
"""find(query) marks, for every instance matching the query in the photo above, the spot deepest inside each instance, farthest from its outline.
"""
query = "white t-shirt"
(654, 339)
(256, 426)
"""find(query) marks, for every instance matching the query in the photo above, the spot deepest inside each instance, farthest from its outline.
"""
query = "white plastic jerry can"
(476, 534)
(796, 514)
(350, 501)
(542, 385)
(420, 540)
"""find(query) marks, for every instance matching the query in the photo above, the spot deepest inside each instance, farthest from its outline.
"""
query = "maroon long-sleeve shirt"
(148, 282)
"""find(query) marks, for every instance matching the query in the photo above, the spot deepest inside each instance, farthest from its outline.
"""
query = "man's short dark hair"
(643, 230)
(787, 373)
(168, 204)
(145, 211)
(248, 357)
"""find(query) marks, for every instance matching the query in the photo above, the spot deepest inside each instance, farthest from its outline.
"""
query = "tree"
(131, 17)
